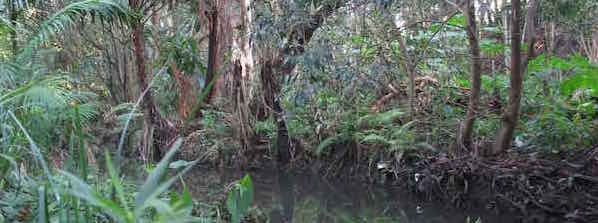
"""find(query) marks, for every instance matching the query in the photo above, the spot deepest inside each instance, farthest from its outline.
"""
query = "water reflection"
(299, 198)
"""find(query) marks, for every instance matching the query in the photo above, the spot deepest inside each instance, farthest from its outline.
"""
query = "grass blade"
(116, 182)
(153, 180)
(83, 191)
(161, 188)
(37, 154)
(42, 211)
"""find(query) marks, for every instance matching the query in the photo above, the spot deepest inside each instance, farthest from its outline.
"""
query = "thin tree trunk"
(242, 76)
(530, 21)
(407, 64)
(271, 92)
(510, 118)
(183, 83)
(12, 11)
(242, 111)
(507, 32)
(184, 95)
(476, 77)
(148, 110)
(157, 132)
(299, 37)
(594, 56)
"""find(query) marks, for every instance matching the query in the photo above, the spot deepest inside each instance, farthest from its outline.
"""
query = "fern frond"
(325, 144)
(375, 138)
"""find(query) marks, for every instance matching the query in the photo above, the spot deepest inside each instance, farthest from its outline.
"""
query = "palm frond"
(5, 23)
(50, 92)
(106, 10)
(8, 72)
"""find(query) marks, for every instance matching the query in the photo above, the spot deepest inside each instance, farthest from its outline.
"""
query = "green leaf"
(84, 191)
(153, 180)
(240, 199)
(183, 203)
(358, 40)
(586, 80)
(42, 210)
(326, 143)
(375, 138)
(458, 20)
(115, 180)
(178, 164)
(108, 10)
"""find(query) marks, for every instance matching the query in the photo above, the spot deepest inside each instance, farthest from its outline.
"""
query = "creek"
(308, 198)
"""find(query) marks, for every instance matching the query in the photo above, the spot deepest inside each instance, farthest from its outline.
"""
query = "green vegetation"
(366, 89)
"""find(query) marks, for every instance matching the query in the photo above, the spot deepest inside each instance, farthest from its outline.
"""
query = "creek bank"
(537, 187)
(541, 188)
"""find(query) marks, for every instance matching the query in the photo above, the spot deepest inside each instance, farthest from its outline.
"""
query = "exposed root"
(563, 189)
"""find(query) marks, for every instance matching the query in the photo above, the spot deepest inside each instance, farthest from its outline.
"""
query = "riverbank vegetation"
(468, 102)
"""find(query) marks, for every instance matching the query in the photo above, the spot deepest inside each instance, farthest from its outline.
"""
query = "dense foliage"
(88, 85)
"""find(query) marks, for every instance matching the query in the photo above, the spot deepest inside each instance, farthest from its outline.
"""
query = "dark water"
(307, 198)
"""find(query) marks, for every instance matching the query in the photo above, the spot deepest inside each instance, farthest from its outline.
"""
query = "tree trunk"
(271, 92)
(220, 38)
(185, 98)
(510, 117)
(242, 76)
(246, 49)
(12, 11)
(530, 40)
(407, 64)
(507, 32)
(476, 77)
(241, 110)
(298, 37)
(213, 60)
(594, 57)
(148, 108)
(157, 132)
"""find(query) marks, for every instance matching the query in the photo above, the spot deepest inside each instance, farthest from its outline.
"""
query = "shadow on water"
(299, 198)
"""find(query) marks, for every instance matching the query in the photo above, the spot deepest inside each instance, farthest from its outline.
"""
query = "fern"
(326, 143)
(588, 79)
(375, 138)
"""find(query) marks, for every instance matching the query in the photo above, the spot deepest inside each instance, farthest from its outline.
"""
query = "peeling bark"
(185, 98)
(213, 60)
(220, 38)
(246, 49)
(241, 110)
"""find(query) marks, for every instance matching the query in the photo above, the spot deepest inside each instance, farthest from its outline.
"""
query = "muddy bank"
(536, 187)
(541, 188)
